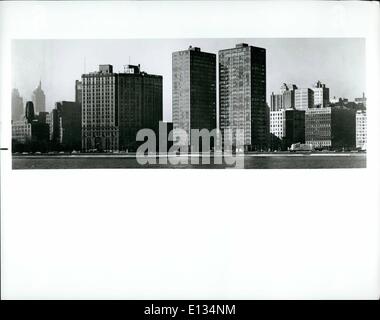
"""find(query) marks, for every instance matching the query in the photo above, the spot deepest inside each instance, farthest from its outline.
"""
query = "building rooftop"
(191, 48)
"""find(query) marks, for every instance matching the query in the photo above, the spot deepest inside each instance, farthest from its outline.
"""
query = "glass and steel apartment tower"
(242, 95)
(194, 90)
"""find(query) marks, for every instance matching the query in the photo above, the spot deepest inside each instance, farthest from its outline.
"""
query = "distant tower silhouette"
(17, 105)
(38, 98)
(29, 111)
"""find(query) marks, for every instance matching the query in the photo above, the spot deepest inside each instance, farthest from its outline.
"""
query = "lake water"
(257, 161)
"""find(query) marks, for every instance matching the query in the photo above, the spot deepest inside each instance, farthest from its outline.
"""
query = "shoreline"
(133, 155)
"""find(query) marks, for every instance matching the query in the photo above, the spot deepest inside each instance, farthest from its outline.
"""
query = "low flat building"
(21, 131)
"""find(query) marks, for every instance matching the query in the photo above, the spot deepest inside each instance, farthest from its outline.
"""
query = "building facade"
(66, 125)
(276, 102)
(115, 106)
(303, 99)
(38, 98)
(321, 95)
(318, 127)
(277, 123)
(294, 127)
(21, 131)
(193, 90)
(361, 129)
(287, 127)
(100, 122)
(242, 95)
(343, 129)
(17, 105)
(330, 128)
(139, 100)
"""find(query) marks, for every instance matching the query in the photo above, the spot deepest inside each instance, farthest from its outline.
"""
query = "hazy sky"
(338, 62)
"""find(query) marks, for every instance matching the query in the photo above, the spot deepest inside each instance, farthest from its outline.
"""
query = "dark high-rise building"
(69, 121)
(29, 111)
(55, 127)
(78, 91)
(43, 117)
(242, 94)
(294, 127)
(343, 128)
(40, 133)
(38, 98)
(139, 101)
(115, 106)
(331, 128)
(17, 105)
(194, 90)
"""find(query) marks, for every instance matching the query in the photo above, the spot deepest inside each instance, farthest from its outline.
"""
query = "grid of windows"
(361, 129)
(303, 99)
(194, 90)
(21, 131)
(242, 94)
(318, 127)
(99, 112)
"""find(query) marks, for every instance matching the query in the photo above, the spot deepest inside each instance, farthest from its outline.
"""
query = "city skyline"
(58, 63)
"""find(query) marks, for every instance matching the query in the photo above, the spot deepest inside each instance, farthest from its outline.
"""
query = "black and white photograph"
(189, 103)
(94, 92)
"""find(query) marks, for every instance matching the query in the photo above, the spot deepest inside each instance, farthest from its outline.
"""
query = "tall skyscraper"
(242, 94)
(294, 127)
(115, 106)
(100, 121)
(303, 99)
(139, 97)
(69, 122)
(38, 98)
(321, 95)
(17, 105)
(193, 90)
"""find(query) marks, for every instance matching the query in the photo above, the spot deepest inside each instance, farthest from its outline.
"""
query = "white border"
(195, 234)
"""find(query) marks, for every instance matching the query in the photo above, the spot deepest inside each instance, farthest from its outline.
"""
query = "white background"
(205, 234)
